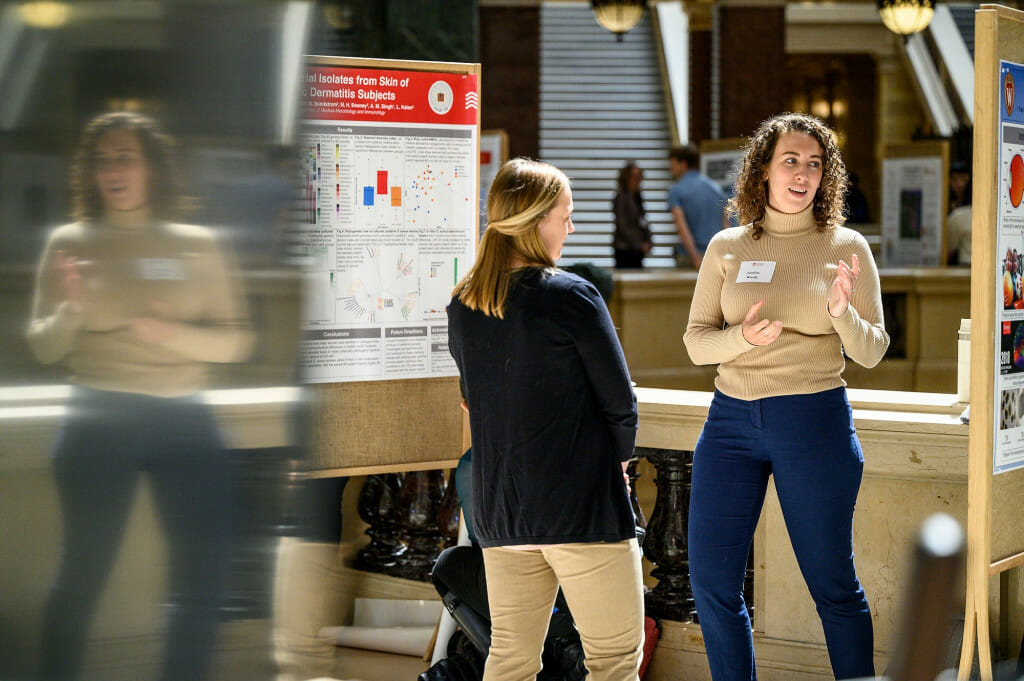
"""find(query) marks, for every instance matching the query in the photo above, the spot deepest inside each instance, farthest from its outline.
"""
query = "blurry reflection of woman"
(136, 306)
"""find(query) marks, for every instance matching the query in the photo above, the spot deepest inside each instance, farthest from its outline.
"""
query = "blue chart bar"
(367, 196)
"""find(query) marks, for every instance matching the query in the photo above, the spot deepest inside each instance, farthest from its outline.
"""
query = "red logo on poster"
(1008, 93)
(1006, 328)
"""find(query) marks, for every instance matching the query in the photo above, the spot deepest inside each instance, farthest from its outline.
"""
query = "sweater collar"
(778, 223)
(129, 220)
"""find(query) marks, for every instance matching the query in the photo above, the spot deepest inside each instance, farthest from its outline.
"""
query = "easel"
(367, 427)
(994, 543)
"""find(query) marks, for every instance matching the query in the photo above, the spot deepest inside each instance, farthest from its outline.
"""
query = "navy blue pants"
(809, 444)
(105, 445)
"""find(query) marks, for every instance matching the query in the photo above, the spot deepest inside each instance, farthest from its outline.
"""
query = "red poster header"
(388, 96)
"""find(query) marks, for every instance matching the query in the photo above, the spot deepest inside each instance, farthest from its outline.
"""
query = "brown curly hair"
(751, 198)
(157, 148)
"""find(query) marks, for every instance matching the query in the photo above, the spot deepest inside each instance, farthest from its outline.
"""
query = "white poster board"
(913, 207)
(719, 160)
(493, 154)
(390, 155)
(1008, 452)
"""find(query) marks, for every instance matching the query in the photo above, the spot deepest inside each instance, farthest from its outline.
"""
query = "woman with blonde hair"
(780, 303)
(553, 420)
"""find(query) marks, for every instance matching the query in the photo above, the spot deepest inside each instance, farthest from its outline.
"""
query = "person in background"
(697, 205)
(137, 307)
(959, 184)
(857, 211)
(958, 231)
(632, 235)
(553, 419)
(780, 303)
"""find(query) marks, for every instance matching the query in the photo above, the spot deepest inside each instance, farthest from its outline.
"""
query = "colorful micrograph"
(1018, 347)
(1016, 180)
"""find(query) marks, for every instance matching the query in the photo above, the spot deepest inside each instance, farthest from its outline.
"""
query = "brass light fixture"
(44, 14)
(906, 17)
(339, 16)
(618, 16)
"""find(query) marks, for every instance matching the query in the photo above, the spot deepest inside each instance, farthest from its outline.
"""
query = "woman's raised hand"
(842, 287)
(70, 276)
(759, 331)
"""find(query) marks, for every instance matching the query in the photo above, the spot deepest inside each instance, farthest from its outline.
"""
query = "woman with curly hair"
(779, 303)
(136, 306)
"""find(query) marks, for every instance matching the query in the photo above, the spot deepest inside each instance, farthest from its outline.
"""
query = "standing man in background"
(697, 205)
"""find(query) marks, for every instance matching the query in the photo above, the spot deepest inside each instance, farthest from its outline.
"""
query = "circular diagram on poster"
(1016, 180)
(441, 97)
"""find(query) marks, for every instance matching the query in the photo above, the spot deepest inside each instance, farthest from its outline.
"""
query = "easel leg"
(1004, 614)
(967, 645)
(984, 635)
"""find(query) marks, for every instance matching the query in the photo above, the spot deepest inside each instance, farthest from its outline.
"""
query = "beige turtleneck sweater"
(807, 357)
(173, 272)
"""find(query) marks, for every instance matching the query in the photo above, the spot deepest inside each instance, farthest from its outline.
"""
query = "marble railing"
(915, 450)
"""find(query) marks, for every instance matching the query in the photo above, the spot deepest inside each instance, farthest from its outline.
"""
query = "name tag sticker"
(755, 271)
(161, 269)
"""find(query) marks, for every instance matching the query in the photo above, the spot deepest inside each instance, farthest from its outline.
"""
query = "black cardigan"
(552, 414)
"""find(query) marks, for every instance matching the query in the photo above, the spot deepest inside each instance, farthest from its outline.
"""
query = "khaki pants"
(603, 586)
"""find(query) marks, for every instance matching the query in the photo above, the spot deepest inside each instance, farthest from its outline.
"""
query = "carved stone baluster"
(450, 512)
(418, 503)
(641, 519)
(377, 508)
(638, 513)
(665, 542)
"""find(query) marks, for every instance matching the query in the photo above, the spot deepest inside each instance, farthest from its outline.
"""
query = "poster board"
(493, 154)
(390, 151)
(915, 184)
(719, 159)
(995, 540)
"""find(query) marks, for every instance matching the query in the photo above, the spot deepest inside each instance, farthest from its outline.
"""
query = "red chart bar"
(382, 182)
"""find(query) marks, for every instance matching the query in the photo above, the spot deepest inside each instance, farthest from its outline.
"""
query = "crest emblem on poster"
(441, 97)
(1008, 92)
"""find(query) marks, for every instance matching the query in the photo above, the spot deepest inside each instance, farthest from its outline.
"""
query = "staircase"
(602, 104)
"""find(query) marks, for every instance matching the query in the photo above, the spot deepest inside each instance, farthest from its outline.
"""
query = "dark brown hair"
(751, 196)
(625, 173)
(157, 149)
(687, 153)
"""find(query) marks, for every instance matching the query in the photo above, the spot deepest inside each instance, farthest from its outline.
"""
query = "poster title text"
(319, 84)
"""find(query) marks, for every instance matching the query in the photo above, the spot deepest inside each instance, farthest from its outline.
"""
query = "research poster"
(390, 210)
(912, 211)
(721, 167)
(1009, 412)
(493, 154)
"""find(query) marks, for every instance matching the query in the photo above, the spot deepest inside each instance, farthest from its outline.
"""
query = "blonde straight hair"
(521, 195)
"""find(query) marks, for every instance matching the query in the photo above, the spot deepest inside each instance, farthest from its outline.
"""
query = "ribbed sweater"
(171, 271)
(808, 356)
